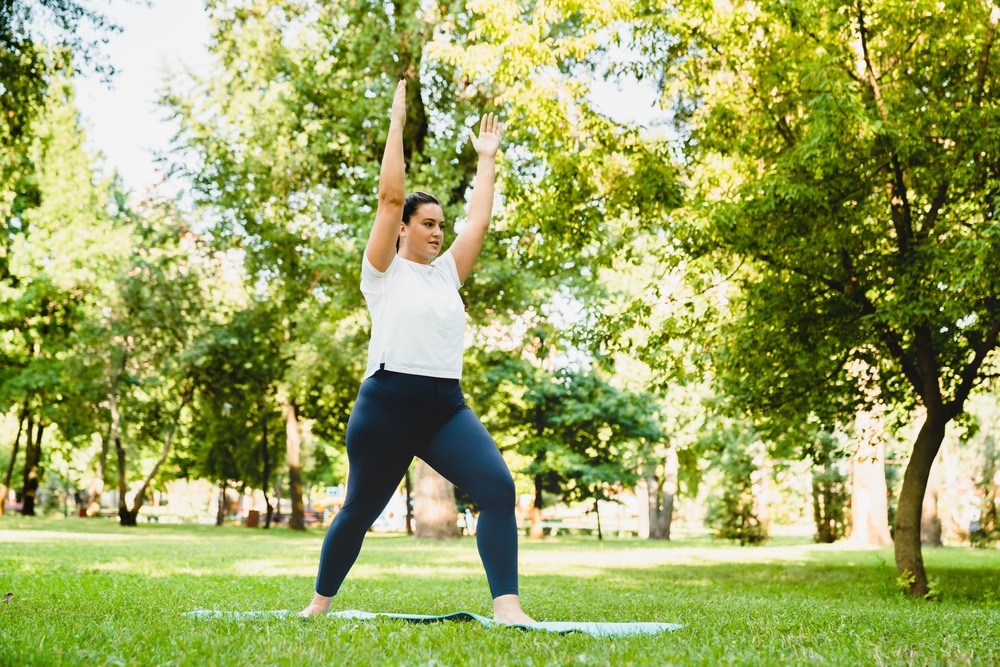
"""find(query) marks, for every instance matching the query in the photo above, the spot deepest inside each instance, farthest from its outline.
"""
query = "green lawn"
(90, 593)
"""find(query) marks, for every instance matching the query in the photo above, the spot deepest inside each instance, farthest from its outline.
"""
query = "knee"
(354, 517)
(501, 493)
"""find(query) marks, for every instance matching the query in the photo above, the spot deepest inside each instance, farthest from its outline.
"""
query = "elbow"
(394, 198)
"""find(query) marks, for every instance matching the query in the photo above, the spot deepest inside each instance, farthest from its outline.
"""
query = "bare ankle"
(320, 605)
(507, 609)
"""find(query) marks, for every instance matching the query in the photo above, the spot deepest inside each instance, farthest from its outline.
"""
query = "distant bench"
(557, 527)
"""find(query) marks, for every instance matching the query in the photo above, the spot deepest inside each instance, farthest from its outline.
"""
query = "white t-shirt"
(418, 318)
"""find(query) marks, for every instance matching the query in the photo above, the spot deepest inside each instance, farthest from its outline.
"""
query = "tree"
(434, 507)
(580, 438)
(661, 488)
(604, 430)
(62, 238)
(740, 510)
(145, 337)
(829, 489)
(289, 133)
(850, 164)
(239, 366)
(28, 67)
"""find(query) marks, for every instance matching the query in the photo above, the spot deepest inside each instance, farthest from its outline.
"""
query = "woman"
(410, 402)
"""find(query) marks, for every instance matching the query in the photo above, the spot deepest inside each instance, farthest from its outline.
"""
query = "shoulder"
(446, 264)
(371, 278)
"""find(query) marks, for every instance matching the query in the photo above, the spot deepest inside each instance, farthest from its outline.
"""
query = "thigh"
(464, 453)
(379, 450)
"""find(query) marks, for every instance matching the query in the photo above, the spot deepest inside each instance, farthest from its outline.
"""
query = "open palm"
(488, 141)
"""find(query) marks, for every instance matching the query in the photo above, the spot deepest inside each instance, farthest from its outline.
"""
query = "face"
(424, 234)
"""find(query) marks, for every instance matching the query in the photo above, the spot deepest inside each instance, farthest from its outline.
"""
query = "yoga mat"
(593, 629)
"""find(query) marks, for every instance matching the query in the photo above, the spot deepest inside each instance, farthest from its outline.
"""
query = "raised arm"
(466, 247)
(381, 246)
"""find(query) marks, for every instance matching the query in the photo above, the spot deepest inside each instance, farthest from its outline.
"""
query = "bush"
(986, 534)
(734, 514)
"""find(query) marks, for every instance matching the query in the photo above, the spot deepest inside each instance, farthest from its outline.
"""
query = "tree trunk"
(293, 445)
(671, 468)
(32, 455)
(133, 513)
(125, 518)
(661, 495)
(409, 504)
(597, 511)
(10, 466)
(220, 515)
(869, 507)
(434, 505)
(818, 513)
(94, 492)
(277, 499)
(653, 499)
(267, 470)
(909, 560)
(536, 511)
(930, 522)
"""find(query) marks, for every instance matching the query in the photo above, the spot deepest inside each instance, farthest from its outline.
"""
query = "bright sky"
(122, 119)
(125, 124)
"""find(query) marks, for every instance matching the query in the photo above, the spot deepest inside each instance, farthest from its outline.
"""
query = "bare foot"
(507, 610)
(319, 605)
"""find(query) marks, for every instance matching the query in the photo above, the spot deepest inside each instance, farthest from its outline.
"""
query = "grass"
(88, 592)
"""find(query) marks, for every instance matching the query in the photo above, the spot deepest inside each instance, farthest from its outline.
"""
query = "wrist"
(487, 158)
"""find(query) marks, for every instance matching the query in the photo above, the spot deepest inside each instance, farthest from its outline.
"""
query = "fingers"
(399, 103)
(489, 124)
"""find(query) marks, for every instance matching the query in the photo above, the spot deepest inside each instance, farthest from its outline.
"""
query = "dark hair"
(413, 201)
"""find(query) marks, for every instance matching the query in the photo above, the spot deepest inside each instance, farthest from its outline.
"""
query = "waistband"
(420, 387)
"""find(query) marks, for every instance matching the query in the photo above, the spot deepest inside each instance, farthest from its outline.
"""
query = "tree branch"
(932, 214)
(869, 70)
(854, 291)
(969, 373)
(902, 217)
(927, 363)
(832, 284)
(851, 288)
(140, 496)
(785, 131)
(984, 58)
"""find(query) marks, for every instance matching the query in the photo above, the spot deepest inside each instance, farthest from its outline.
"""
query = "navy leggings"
(399, 416)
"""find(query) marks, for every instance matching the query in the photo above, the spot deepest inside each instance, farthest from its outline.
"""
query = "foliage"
(64, 240)
(581, 439)
(829, 487)
(850, 164)
(28, 66)
(238, 411)
(987, 532)
(735, 513)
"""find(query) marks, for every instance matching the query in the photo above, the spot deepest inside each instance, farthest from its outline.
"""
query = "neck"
(406, 254)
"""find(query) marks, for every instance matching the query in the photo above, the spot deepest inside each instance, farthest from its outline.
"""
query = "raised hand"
(488, 141)
(399, 104)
